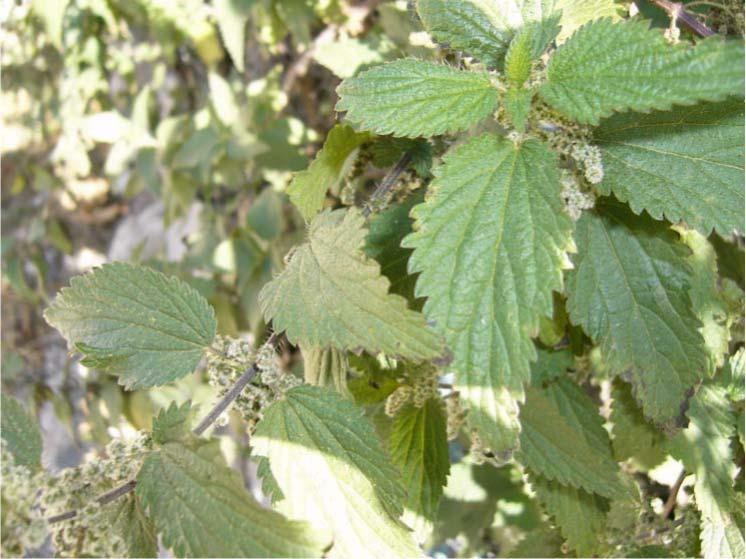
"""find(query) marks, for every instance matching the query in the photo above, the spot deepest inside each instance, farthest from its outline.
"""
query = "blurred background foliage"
(165, 132)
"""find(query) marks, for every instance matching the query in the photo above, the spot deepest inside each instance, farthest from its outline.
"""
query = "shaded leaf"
(21, 434)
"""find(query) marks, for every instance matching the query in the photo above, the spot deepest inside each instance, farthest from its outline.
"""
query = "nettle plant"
(565, 298)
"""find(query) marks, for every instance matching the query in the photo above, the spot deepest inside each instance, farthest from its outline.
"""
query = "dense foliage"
(378, 279)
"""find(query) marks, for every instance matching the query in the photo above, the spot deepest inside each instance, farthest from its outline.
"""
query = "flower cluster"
(576, 200)
(397, 399)
(231, 359)
(89, 532)
(23, 526)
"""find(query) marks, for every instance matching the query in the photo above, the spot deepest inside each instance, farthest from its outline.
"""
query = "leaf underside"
(331, 294)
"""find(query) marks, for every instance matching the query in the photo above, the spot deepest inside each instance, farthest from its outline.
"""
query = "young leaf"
(683, 164)
(20, 432)
(201, 509)
(527, 45)
(563, 447)
(333, 472)
(550, 365)
(608, 67)
(308, 188)
(134, 322)
(629, 292)
(419, 449)
(478, 27)
(517, 104)
(704, 448)
(580, 516)
(490, 243)
(416, 98)
(173, 423)
(331, 294)
(484, 28)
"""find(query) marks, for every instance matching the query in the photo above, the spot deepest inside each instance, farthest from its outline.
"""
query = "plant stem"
(388, 182)
(676, 11)
(208, 420)
(671, 501)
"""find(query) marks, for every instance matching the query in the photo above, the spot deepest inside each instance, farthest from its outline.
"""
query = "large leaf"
(134, 322)
(607, 67)
(20, 432)
(419, 448)
(580, 516)
(490, 243)
(705, 449)
(308, 188)
(201, 509)
(334, 473)
(416, 98)
(560, 441)
(629, 292)
(682, 164)
(332, 294)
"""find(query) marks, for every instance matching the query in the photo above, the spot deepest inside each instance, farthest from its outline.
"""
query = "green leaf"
(173, 423)
(232, 16)
(419, 448)
(580, 516)
(561, 441)
(132, 321)
(383, 243)
(517, 104)
(634, 437)
(20, 432)
(334, 473)
(308, 188)
(704, 448)
(540, 542)
(201, 509)
(331, 294)
(629, 292)
(490, 243)
(528, 45)
(608, 67)
(707, 302)
(550, 365)
(484, 28)
(478, 27)
(682, 164)
(128, 521)
(416, 98)
(326, 367)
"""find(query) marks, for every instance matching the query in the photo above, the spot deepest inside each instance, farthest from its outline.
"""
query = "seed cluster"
(231, 359)
(89, 533)
(455, 415)
(23, 526)
(576, 200)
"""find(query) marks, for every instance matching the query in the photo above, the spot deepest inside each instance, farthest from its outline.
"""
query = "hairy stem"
(388, 182)
(676, 10)
(671, 501)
